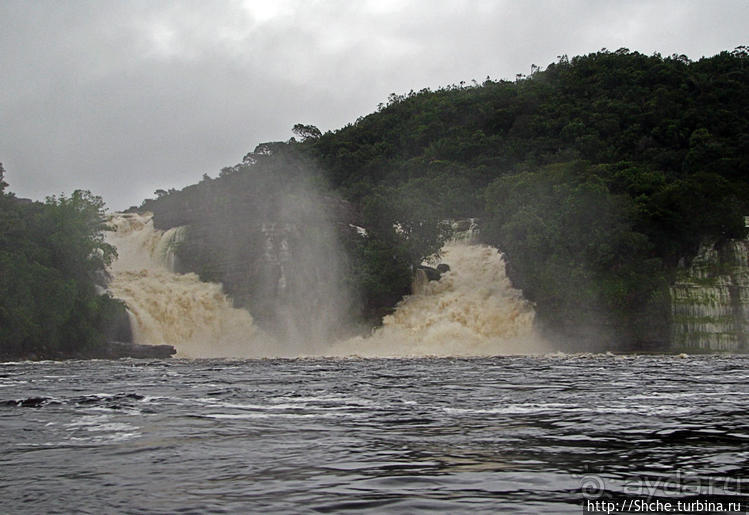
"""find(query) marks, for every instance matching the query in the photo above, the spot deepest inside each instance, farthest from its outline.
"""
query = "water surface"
(375, 435)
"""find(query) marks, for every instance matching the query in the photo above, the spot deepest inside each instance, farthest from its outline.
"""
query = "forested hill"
(595, 176)
(666, 114)
(53, 261)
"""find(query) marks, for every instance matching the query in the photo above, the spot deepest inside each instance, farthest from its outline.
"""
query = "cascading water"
(472, 310)
(176, 309)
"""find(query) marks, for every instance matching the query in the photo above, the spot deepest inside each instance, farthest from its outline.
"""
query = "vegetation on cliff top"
(50, 256)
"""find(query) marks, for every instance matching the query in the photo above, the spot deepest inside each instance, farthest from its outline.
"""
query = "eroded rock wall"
(710, 300)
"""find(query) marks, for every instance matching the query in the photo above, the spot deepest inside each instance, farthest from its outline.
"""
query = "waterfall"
(473, 310)
(176, 309)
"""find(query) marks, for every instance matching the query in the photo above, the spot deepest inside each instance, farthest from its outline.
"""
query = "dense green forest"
(596, 177)
(51, 256)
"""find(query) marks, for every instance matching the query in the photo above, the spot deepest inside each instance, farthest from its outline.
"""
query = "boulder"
(432, 273)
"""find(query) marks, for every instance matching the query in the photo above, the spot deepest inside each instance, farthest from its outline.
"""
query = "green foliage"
(306, 132)
(380, 274)
(50, 256)
(574, 247)
(3, 184)
(678, 215)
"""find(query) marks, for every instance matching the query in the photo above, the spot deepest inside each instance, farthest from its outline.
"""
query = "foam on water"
(473, 310)
(176, 309)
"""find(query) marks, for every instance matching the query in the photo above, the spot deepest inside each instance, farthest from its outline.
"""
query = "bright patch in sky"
(263, 11)
(164, 40)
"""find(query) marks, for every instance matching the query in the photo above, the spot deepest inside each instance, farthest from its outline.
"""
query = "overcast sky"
(124, 97)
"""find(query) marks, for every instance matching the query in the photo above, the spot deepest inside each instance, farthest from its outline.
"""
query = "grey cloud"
(126, 97)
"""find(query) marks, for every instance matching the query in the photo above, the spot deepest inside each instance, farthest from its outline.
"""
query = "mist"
(304, 268)
(269, 230)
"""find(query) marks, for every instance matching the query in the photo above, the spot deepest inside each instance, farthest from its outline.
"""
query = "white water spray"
(175, 309)
(473, 310)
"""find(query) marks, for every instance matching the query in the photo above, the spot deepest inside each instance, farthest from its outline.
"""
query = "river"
(469, 435)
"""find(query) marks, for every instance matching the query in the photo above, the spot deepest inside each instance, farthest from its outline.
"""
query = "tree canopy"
(52, 255)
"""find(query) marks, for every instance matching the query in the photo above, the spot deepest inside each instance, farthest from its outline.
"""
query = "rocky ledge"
(114, 350)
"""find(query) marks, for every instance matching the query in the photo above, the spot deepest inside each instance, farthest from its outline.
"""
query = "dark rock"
(443, 267)
(31, 402)
(114, 350)
(432, 273)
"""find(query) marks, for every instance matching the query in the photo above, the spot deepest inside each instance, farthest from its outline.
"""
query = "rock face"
(710, 300)
(432, 274)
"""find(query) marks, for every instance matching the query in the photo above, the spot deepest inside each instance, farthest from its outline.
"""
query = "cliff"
(710, 300)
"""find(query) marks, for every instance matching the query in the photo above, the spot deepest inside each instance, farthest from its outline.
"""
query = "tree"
(51, 257)
(3, 184)
(573, 249)
(306, 132)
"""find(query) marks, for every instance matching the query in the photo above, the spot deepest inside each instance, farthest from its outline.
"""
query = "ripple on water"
(484, 434)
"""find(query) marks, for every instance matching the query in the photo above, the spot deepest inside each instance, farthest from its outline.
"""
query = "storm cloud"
(123, 98)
